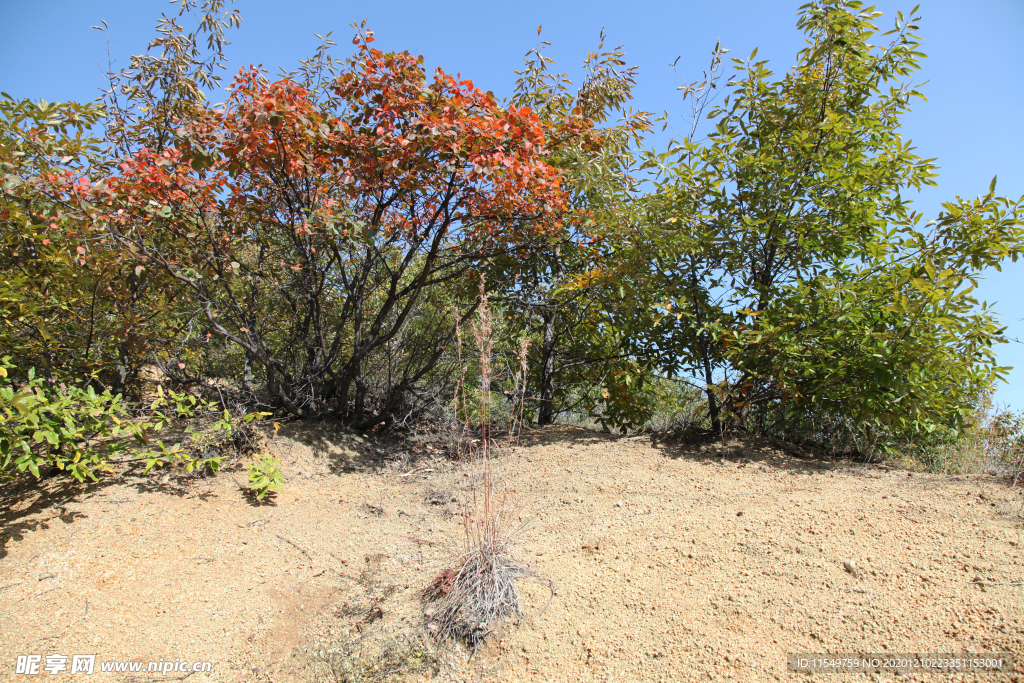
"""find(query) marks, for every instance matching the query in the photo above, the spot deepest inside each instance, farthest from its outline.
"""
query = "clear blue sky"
(972, 123)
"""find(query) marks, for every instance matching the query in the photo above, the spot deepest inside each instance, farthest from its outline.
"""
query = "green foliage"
(789, 273)
(577, 358)
(250, 252)
(210, 428)
(72, 304)
(265, 475)
(675, 406)
(73, 429)
(82, 432)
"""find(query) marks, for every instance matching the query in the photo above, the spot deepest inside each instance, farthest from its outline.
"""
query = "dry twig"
(296, 546)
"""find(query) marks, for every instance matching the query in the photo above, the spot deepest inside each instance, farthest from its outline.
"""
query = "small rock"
(373, 509)
(850, 566)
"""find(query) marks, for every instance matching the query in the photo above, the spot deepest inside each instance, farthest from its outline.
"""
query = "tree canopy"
(314, 245)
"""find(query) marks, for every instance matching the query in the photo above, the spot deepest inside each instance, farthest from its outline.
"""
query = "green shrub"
(80, 431)
(72, 429)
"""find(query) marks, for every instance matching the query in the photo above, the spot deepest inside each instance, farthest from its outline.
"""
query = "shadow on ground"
(705, 447)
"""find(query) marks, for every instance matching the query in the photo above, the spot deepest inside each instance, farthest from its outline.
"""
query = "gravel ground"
(667, 562)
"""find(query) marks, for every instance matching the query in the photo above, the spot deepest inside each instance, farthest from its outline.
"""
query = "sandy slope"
(669, 563)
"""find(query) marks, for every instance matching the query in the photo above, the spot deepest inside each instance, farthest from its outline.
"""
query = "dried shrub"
(468, 599)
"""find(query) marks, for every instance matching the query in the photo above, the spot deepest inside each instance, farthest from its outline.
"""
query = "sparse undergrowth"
(994, 442)
(466, 603)
(366, 659)
(48, 426)
(468, 600)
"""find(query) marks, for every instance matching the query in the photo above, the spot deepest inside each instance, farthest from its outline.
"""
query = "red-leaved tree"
(324, 224)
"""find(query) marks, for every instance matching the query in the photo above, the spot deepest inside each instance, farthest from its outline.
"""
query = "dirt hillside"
(665, 561)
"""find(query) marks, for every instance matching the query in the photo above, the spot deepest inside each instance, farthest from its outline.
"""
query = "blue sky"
(972, 122)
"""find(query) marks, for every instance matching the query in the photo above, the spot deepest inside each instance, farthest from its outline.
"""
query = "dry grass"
(377, 660)
(994, 443)
(468, 602)
(469, 599)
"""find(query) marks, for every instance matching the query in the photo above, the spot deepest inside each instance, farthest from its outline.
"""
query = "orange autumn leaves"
(382, 147)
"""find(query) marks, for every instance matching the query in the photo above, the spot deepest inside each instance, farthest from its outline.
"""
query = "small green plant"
(265, 475)
(202, 438)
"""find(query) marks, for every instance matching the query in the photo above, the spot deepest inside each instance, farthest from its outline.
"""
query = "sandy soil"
(668, 562)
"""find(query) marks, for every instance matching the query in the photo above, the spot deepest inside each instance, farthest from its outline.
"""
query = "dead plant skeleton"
(468, 600)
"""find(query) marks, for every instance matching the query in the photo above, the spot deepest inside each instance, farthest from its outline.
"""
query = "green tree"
(550, 290)
(54, 314)
(792, 276)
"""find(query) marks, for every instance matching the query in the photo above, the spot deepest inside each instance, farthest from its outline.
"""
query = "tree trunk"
(280, 393)
(247, 372)
(344, 386)
(705, 352)
(359, 409)
(120, 381)
(546, 414)
(713, 411)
